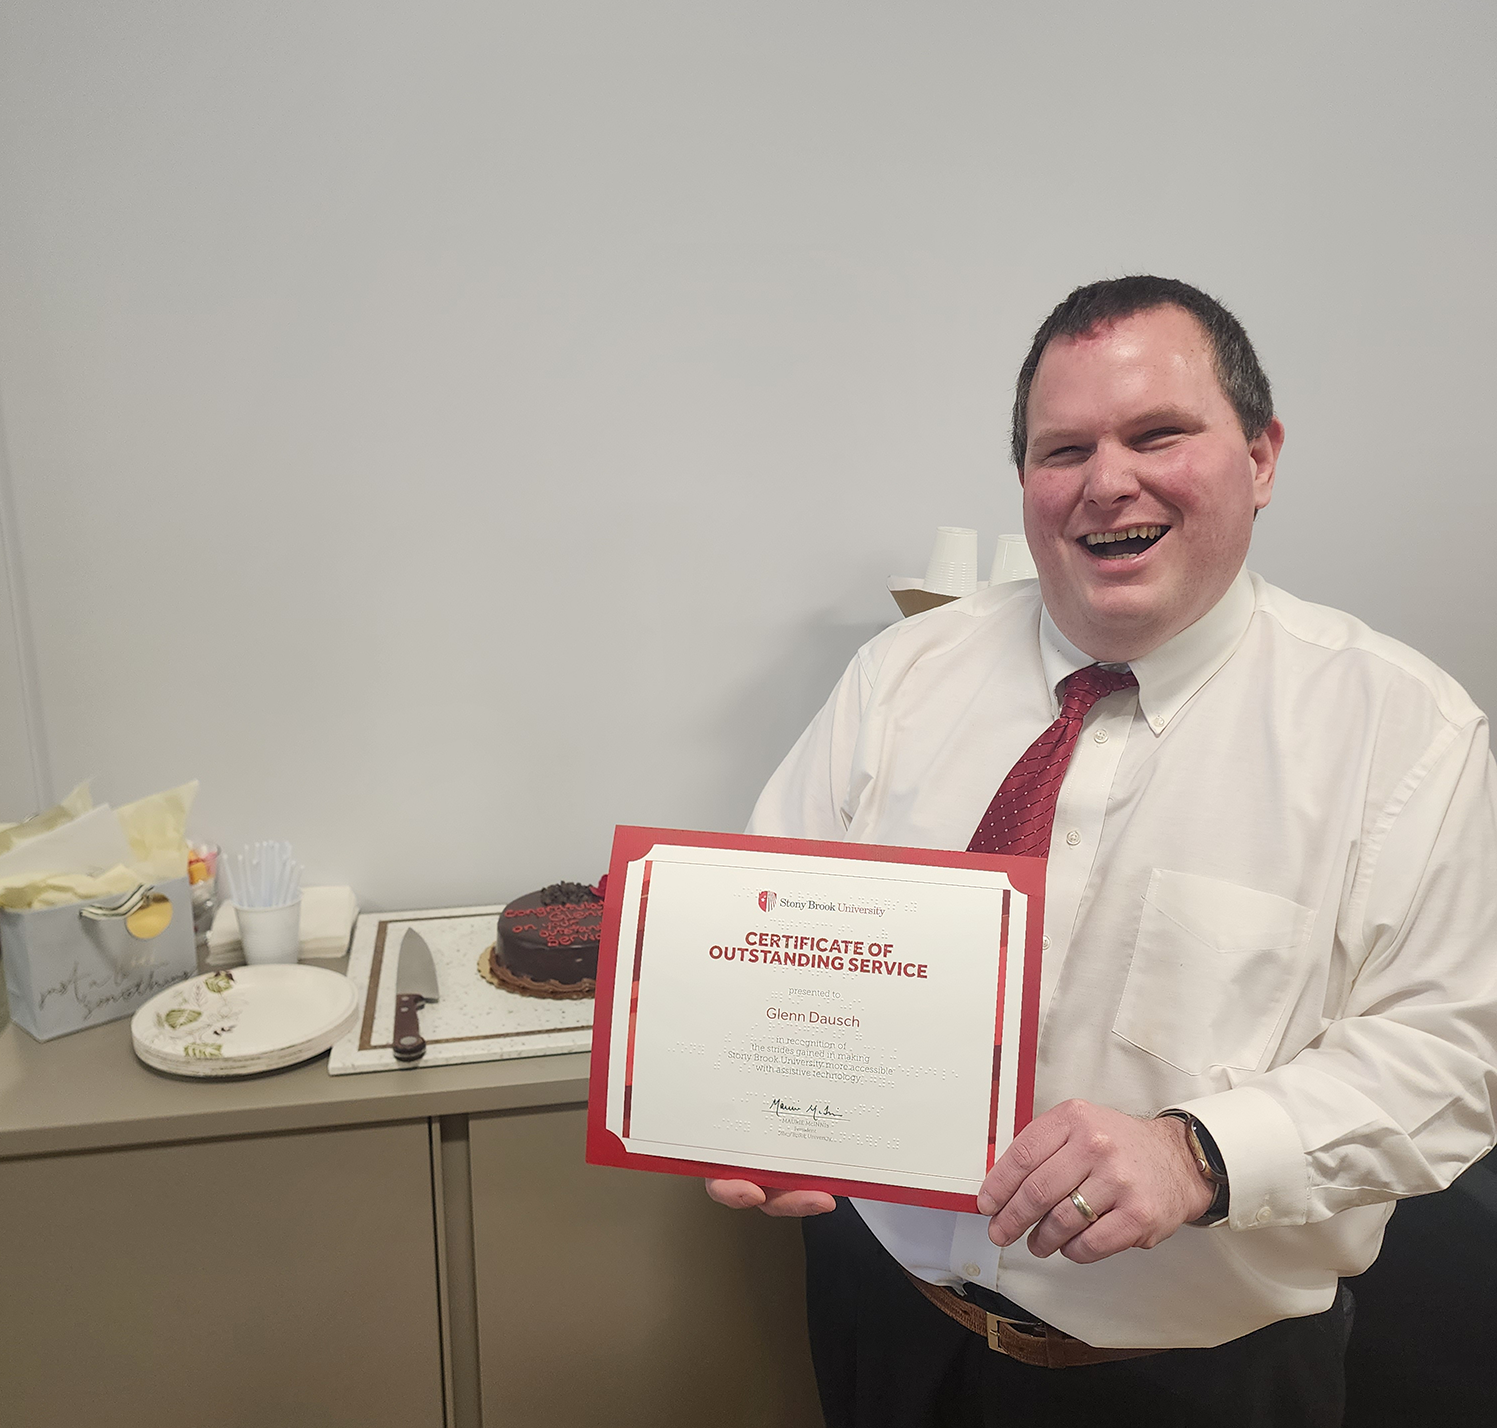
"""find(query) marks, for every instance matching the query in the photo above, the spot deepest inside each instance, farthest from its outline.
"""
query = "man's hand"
(794, 1204)
(1137, 1175)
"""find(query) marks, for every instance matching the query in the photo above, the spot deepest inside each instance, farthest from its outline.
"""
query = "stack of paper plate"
(234, 1023)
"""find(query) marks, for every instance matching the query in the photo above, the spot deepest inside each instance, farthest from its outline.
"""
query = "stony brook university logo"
(767, 900)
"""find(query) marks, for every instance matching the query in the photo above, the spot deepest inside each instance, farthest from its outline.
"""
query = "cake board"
(473, 1020)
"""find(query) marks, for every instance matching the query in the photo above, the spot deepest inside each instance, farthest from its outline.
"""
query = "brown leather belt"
(1034, 1343)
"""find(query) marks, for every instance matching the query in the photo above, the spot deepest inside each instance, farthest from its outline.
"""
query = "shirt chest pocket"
(1212, 969)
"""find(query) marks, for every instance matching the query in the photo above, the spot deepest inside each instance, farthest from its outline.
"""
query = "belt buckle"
(1029, 1329)
(993, 1322)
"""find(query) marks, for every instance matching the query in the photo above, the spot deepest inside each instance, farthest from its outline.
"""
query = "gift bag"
(87, 963)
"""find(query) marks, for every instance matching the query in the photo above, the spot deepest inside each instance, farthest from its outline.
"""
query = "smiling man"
(1269, 999)
(1141, 479)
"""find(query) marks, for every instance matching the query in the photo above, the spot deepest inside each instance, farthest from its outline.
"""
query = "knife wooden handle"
(410, 1045)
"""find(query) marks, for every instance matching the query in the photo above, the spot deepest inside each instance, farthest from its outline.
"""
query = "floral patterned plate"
(248, 1019)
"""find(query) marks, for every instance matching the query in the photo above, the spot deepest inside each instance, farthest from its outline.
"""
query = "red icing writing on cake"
(559, 924)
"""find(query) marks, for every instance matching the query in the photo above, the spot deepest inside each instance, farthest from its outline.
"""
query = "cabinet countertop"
(88, 1091)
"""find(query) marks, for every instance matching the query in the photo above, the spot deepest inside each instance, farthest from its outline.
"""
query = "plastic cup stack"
(265, 884)
(1012, 560)
(953, 562)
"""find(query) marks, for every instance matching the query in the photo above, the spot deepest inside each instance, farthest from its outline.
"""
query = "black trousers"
(887, 1358)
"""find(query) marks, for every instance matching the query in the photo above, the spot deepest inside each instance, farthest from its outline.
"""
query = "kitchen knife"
(415, 984)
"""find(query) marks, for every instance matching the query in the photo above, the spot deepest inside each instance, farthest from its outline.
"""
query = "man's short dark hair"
(1243, 381)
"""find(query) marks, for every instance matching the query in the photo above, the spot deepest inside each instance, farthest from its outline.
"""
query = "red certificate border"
(1026, 875)
(998, 1033)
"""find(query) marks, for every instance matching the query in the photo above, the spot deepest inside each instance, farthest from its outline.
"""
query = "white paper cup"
(270, 934)
(953, 562)
(1012, 560)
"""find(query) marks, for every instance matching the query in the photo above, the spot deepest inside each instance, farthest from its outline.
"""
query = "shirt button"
(1100, 736)
(1157, 722)
(1073, 837)
(1045, 942)
(1263, 1215)
(972, 1271)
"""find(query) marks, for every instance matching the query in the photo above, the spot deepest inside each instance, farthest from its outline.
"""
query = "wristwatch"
(1209, 1162)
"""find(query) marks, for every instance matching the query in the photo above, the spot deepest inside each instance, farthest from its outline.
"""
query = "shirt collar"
(1171, 675)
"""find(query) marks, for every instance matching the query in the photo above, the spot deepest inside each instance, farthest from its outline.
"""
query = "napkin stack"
(327, 919)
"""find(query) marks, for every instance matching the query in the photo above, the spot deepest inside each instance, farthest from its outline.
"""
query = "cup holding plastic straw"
(953, 562)
(270, 934)
(1012, 560)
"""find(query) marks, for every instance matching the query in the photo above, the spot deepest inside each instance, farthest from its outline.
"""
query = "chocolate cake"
(548, 942)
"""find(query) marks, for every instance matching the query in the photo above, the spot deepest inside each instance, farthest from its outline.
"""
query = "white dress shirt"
(1271, 900)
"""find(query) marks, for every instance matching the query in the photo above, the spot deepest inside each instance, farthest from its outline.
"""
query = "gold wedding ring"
(1083, 1209)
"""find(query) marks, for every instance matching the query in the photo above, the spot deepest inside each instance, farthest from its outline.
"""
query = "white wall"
(449, 429)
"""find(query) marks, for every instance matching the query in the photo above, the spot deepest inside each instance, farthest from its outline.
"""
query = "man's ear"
(1264, 454)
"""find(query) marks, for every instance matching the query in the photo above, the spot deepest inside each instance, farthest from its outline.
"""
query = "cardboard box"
(68, 968)
(913, 598)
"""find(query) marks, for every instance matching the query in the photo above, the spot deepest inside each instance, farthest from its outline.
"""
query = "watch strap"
(1209, 1162)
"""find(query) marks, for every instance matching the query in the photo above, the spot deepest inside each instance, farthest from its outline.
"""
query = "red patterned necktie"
(1019, 817)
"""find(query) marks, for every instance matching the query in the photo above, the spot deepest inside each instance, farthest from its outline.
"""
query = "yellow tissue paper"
(155, 827)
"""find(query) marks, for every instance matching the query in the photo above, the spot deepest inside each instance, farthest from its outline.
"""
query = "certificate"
(832, 1016)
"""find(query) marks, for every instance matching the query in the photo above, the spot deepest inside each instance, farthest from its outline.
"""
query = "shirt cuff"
(1266, 1166)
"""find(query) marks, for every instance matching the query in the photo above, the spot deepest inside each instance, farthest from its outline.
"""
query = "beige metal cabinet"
(278, 1279)
(612, 1296)
(381, 1251)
